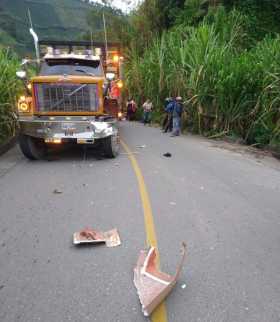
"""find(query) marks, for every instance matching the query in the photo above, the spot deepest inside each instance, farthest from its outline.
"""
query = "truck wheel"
(111, 146)
(32, 148)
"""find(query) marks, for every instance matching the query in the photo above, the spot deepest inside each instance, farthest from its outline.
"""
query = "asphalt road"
(223, 202)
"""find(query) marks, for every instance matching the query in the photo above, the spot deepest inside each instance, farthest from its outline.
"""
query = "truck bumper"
(83, 130)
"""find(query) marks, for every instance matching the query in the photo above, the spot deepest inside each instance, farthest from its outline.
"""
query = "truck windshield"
(71, 67)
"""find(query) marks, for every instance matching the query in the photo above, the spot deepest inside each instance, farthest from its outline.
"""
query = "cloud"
(124, 5)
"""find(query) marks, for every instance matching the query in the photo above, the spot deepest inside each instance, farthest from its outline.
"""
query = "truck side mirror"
(21, 74)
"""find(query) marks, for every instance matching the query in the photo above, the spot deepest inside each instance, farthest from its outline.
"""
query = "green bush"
(9, 87)
(226, 87)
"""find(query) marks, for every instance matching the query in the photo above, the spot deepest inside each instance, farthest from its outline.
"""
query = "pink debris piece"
(152, 285)
(89, 236)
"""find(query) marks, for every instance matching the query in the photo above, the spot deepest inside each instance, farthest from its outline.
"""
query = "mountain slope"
(56, 19)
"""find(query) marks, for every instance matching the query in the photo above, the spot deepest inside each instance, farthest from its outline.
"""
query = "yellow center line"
(160, 314)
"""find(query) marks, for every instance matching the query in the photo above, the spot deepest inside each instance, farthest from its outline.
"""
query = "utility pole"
(29, 18)
(35, 37)
(91, 39)
(105, 35)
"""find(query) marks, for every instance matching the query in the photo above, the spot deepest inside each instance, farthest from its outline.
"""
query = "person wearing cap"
(169, 110)
(177, 115)
(167, 123)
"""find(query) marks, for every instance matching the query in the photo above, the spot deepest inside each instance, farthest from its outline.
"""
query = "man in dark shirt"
(169, 110)
(166, 117)
(131, 109)
(177, 115)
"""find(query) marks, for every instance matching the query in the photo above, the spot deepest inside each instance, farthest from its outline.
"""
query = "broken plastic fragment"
(152, 285)
(89, 236)
(167, 155)
(57, 191)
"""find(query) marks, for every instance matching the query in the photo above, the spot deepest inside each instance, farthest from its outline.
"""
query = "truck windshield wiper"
(69, 95)
(83, 71)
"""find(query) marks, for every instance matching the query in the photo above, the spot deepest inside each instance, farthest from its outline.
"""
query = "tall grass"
(227, 88)
(9, 87)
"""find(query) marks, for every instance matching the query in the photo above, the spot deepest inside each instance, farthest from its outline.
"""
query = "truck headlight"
(120, 84)
(23, 105)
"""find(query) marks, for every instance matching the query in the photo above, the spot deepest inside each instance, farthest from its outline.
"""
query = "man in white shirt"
(147, 107)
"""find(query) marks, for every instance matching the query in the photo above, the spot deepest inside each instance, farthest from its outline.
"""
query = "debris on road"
(167, 155)
(183, 286)
(141, 146)
(57, 191)
(89, 236)
(172, 203)
(152, 285)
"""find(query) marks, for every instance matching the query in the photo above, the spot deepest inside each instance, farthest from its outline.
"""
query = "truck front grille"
(66, 97)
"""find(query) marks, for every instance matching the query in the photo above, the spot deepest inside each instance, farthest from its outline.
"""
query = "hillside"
(56, 19)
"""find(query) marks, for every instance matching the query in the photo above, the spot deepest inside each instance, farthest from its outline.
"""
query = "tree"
(263, 15)
(116, 22)
(169, 10)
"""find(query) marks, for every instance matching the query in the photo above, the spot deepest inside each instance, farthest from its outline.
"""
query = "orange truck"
(75, 97)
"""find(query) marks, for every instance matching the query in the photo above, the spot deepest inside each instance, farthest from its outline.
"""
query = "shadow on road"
(74, 153)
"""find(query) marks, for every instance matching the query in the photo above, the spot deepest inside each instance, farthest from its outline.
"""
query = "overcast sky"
(125, 5)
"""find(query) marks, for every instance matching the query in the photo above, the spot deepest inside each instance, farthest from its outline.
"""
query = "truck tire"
(32, 148)
(111, 146)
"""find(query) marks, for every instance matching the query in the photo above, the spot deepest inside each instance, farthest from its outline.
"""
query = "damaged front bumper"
(84, 130)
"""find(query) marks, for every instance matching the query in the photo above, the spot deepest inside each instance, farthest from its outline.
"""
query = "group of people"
(131, 109)
(173, 109)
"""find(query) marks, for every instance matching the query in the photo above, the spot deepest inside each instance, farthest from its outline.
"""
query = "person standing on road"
(147, 107)
(165, 121)
(177, 115)
(169, 110)
(131, 109)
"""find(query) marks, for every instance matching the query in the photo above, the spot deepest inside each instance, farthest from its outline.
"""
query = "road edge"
(7, 145)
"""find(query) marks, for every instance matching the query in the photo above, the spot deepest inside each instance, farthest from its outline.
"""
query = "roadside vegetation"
(9, 89)
(222, 57)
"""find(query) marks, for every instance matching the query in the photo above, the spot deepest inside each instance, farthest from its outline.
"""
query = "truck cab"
(67, 101)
